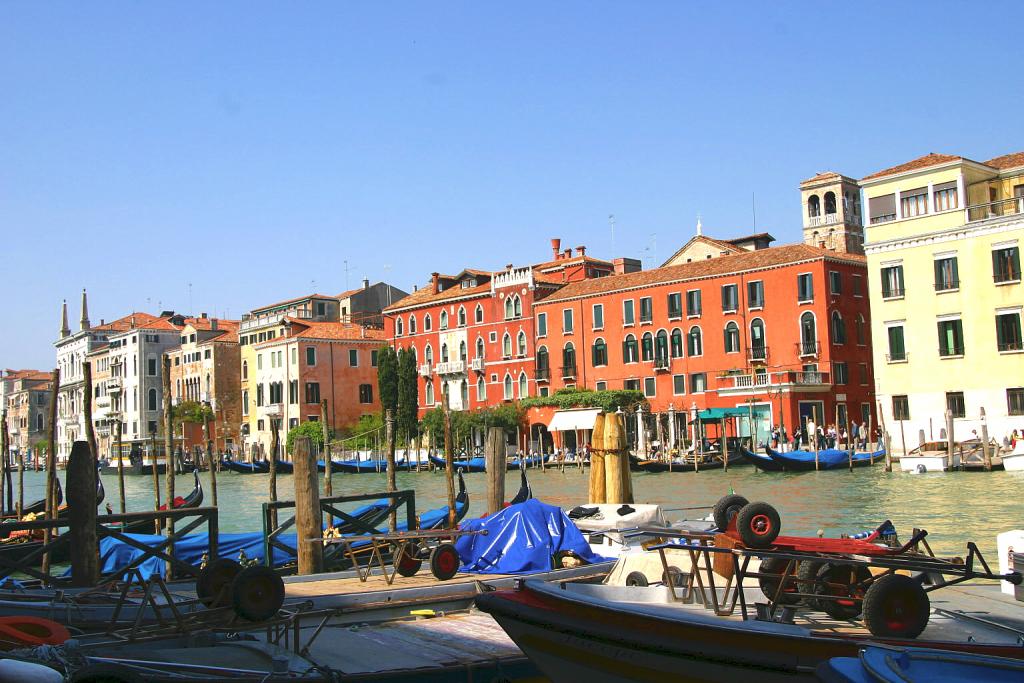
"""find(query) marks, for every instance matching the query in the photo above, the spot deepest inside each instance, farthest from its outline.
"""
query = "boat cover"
(521, 539)
(827, 457)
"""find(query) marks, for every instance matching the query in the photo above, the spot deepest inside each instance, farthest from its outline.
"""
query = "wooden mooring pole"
(495, 460)
(5, 446)
(389, 427)
(168, 445)
(275, 439)
(949, 439)
(120, 464)
(51, 464)
(211, 460)
(449, 474)
(158, 527)
(81, 494)
(328, 484)
(307, 508)
(597, 461)
(613, 434)
(986, 453)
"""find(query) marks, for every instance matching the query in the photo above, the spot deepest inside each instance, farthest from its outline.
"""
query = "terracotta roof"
(571, 261)
(750, 238)
(334, 331)
(931, 159)
(25, 374)
(124, 324)
(293, 300)
(349, 292)
(426, 295)
(702, 238)
(827, 175)
(1007, 161)
(723, 265)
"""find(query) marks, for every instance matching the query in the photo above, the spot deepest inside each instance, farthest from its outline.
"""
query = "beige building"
(27, 396)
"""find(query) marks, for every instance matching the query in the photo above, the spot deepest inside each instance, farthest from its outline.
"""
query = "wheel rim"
(896, 616)
(761, 524)
(446, 560)
(406, 561)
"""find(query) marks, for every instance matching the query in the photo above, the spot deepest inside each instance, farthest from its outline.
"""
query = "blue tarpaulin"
(521, 539)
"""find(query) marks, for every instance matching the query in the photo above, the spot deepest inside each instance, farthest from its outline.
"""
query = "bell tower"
(830, 205)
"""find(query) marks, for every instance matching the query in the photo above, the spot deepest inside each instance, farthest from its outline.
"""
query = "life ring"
(30, 631)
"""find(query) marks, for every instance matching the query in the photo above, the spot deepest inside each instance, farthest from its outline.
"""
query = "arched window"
(543, 362)
(600, 353)
(662, 347)
(245, 372)
(398, 327)
(861, 332)
(479, 347)
(464, 393)
(444, 320)
(732, 337)
(444, 353)
(415, 358)
(647, 347)
(830, 202)
(524, 385)
(508, 387)
(758, 350)
(521, 343)
(838, 328)
(569, 360)
(462, 316)
(481, 389)
(694, 342)
(630, 352)
(517, 307)
(506, 345)
(808, 334)
(39, 422)
(412, 324)
(428, 392)
(478, 314)
(428, 354)
(509, 310)
(462, 351)
(152, 400)
(677, 343)
(813, 206)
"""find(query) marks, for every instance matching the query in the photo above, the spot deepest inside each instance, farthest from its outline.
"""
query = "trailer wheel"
(257, 593)
(444, 561)
(845, 582)
(673, 576)
(214, 581)
(758, 524)
(896, 606)
(407, 562)
(726, 508)
(770, 584)
(636, 579)
(806, 575)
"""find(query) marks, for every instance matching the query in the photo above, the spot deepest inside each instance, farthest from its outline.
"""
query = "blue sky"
(252, 149)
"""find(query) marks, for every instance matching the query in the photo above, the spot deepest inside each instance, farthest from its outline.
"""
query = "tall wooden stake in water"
(51, 464)
(725, 447)
(949, 439)
(328, 485)
(449, 471)
(212, 460)
(120, 464)
(985, 452)
(613, 428)
(275, 439)
(168, 444)
(156, 480)
(597, 461)
(307, 508)
(90, 432)
(494, 458)
(5, 446)
(849, 445)
(389, 427)
(81, 493)
(888, 441)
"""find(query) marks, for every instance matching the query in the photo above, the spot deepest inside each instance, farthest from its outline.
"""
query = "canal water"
(953, 507)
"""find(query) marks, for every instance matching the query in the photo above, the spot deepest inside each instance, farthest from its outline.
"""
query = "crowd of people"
(811, 435)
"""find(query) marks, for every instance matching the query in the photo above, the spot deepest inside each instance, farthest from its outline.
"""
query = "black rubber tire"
(444, 561)
(637, 579)
(853, 577)
(806, 575)
(257, 593)
(213, 585)
(673, 576)
(726, 508)
(106, 673)
(407, 562)
(769, 586)
(896, 606)
(758, 525)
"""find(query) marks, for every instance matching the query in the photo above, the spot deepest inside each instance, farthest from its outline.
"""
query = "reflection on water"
(954, 507)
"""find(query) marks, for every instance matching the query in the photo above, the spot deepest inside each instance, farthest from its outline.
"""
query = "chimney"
(213, 323)
(567, 253)
(626, 265)
(434, 277)
(581, 251)
(556, 245)
(508, 266)
(202, 316)
(366, 283)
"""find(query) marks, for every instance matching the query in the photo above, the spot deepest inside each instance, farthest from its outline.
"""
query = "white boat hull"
(927, 463)
(1014, 462)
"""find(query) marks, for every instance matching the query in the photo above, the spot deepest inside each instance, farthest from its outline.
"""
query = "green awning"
(722, 413)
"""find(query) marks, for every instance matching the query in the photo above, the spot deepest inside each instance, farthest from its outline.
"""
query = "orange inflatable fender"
(29, 631)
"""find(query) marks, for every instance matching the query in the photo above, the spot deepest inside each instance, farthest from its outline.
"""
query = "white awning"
(571, 420)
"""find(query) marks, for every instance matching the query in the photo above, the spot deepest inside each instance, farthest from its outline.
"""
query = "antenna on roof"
(190, 298)
(346, 274)
(700, 228)
(611, 224)
(753, 211)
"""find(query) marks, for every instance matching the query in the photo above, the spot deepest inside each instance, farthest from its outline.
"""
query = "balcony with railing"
(543, 374)
(569, 371)
(452, 367)
(477, 364)
(114, 385)
(808, 348)
(998, 209)
(425, 370)
(827, 219)
(661, 363)
(897, 357)
(789, 379)
(757, 354)
(951, 351)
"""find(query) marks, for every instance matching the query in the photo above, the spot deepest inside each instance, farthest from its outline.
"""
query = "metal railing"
(569, 371)
(893, 292)
(946, 286)
(757, 353)
(543, 374)
(897, 357)
(1012, 345)
(808, 348)
(996, 209)
(785, 377)
(949, 351)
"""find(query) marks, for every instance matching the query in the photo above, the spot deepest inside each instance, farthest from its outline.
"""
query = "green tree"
(364, 433)
(408, 394)
(313, 430)
(387, 378)
(190, 411)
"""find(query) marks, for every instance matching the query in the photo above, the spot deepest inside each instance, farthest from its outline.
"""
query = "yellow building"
(943, 239)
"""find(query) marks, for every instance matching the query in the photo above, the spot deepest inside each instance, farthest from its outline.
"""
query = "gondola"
(477, 464)
(525, 493)
(193, 500)
(528, 461)
(255, 467)
(827, 459)
(283, 466)
(761, 461)
(139, 465)
(686, 464)
(16, 548)
(363, 466)
(37, 507)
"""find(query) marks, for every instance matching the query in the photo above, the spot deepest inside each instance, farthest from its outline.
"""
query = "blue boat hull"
(828, 459)
(919, 665)
(258, 467)
(762, 462)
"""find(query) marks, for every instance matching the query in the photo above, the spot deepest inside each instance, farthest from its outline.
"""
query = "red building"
(782, 332)
(473, 333)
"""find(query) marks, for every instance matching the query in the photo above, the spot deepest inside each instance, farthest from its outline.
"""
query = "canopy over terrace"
(716, 414)
(566, 430)
(573, 419)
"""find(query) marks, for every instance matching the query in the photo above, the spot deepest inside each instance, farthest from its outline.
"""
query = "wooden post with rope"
(120, 464)
(389, 429)
(307, 508)
(328, 484)
(449, 473)
(212, 461)
(597, 461)
(51, 465)
(168, 451)
(494, 458)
